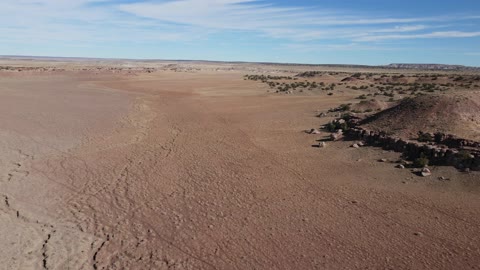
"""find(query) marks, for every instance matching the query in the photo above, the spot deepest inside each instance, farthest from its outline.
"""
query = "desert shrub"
(347, 116)
(331, 127)
(362, 97)
(341, 108)
(421, 162)
(345, 107)
(356, 75)
(438, 137)
(463, 155)
(425, 137)
(336, 125)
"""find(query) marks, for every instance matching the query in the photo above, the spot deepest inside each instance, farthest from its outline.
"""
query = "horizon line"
(36, 57)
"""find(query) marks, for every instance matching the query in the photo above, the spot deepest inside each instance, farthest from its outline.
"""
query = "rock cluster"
(338, 135)
(444, 150)
(451, 140)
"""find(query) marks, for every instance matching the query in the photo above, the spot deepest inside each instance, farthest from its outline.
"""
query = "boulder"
(337, 135)
(425, 172)
(322, 144)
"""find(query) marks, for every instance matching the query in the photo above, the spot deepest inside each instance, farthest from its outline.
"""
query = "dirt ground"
(204, 170)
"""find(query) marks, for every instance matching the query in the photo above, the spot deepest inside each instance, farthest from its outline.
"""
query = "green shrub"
(335, 125)
(425, 137)
(330, 127)
(344, 107)
(421, 162)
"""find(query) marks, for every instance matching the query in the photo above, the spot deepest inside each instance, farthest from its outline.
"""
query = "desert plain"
(194, 165)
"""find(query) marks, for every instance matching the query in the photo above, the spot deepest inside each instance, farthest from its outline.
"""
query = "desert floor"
(204, 170)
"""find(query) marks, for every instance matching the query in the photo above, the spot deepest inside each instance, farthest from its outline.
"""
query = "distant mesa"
(433, 67)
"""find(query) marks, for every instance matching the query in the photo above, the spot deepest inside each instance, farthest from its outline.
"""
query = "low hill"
(369, 106)
(453, 114)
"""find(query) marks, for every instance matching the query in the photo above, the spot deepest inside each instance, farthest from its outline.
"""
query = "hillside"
(453, 114)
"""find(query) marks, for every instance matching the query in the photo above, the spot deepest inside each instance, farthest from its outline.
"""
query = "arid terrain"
(116, 164)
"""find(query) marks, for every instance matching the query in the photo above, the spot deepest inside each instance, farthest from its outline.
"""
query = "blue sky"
(303, 31)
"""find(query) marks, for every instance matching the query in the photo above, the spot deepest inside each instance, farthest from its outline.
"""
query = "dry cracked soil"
(204, 170)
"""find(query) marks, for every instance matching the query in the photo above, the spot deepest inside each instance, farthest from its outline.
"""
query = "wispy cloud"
(98, 21)
(295, 23)
(249, 15)
(336, 47)
(444, 34)
(402, 28)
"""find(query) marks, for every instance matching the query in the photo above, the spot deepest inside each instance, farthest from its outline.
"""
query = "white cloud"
(93, 21)
(336, 47)
(401, 28)
(442, 34)
(294, 23)
(247, 15)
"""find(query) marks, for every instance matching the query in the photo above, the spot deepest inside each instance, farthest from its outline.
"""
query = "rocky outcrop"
(453, 141)
(443, 150)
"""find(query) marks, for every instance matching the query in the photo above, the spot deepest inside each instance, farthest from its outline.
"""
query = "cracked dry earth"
(206, 171)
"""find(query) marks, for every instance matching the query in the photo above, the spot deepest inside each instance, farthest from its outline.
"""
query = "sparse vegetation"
(336, 125)
(425, 137)
(463, 156)
(421, 162)
(387, 85)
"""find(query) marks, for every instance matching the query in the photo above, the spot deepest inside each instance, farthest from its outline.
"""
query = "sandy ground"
(207, 171)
